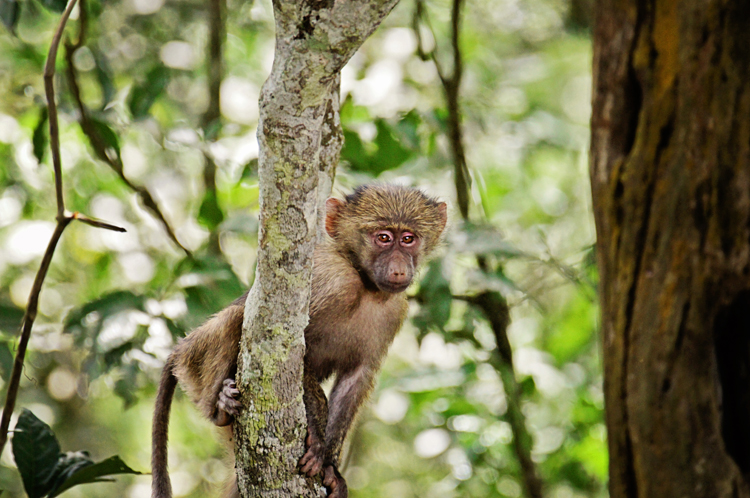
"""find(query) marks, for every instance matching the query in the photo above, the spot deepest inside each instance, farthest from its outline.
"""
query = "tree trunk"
(670, 174)
(300, 138)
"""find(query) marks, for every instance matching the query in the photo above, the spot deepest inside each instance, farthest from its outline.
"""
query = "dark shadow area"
(732, 336)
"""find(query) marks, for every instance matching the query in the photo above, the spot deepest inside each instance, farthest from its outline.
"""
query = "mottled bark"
(670, 174)
(300, 139)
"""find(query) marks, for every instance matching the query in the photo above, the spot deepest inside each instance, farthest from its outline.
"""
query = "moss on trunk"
(300, 140)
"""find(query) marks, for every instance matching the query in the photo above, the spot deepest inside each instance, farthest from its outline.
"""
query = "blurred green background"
(114, 304)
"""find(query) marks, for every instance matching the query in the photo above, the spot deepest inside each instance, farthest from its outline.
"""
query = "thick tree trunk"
(670, 174)
(300, 138)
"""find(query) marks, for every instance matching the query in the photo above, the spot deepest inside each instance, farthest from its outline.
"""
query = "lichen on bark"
(300, 140)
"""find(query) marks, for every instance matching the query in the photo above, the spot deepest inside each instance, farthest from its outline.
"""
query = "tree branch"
(493, 304)
(451, 86)
(28, 320)
(63, 220)
(101, 148)
(95, 223)
(211, 121)
(49, 90)
(496, 310)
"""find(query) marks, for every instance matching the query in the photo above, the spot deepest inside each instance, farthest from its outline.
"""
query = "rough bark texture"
(300, 139)
(670, 174)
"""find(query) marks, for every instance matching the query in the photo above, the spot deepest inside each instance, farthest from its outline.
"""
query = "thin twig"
(493, 305)
(63, 220)
(28, 320)
(49, 90)
(463, 179)
(496, 309)
(451, 86)
(420, 15)
(101, 148)
(211, 121)
(95, 223)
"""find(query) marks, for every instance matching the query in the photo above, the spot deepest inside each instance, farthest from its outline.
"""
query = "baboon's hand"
(227, 406)
(311, 462)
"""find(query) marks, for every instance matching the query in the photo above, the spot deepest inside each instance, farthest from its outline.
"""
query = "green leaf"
(212, 286)
(67, 465)
(571, 332)
(527, 387)
(250, 170)
(10, 12)
(10, 318)
(95, 473)
(408, 128)
(592, 453)
(107, 134)
(210, 214)
(486, 239)
(351, 113)
(353, 151)
(126, 386)
(585, 412)
(143, 96)
(83, 323)
(391, 153)
(384, 153)
(435, 298)
(175, 330)
(211, 130)
(36, 451)
(47, 472)
(55, 5)
(104, 76)
(40, 138)
(6, 360)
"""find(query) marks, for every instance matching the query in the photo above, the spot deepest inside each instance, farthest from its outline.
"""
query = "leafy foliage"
(10, 11)
(435, 298)
(143, 96)
(439, 423)
(40, 138)
(385, 152)
(48, 472)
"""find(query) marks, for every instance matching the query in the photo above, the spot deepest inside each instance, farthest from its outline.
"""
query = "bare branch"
(49, 89)
(63, 220)
(493, 304)
(497, 312)
(420, 16)
(101, 148)
(211, 121)
(451, 85)
(28, 320)
(95, 223)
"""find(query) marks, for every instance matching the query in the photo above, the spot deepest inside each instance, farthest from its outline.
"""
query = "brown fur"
(356, 309)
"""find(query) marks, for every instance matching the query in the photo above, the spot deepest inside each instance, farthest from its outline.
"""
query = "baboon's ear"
(334, 207)
(443, 210)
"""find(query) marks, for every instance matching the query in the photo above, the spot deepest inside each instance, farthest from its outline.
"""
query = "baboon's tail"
(160, 485)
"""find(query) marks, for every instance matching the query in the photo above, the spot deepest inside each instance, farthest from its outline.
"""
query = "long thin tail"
(160, 485)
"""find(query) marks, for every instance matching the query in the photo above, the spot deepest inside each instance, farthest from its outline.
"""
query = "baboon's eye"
(384, 238)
